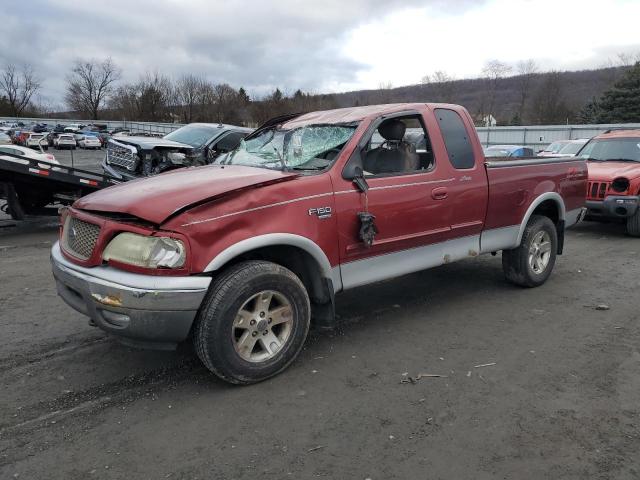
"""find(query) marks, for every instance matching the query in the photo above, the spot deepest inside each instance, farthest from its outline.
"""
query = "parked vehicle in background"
(90, 142)
(40, 128)
(65, 140)
(552, 149)
(513, 151)
(191, 145)
(119, 130)
(5, 139)
(20, 137)
(613, 192)
(26, 152)
(244, 254)
(571, 147)
(37, 140)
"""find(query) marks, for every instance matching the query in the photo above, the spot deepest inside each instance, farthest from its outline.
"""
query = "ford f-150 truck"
(244, 255)
(613, 193)
(130, 157)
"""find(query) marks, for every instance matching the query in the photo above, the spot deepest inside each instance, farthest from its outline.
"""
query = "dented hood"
(607, 171)
(156, 198)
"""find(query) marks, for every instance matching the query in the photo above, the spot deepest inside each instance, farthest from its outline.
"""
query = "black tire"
(633, 224)
(515, 262)
(213, 337)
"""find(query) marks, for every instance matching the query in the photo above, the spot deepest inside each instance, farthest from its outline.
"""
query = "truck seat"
(393, 155)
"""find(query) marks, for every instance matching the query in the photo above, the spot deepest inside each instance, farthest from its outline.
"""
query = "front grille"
(79, 237)
(124, 156)
(597, 190)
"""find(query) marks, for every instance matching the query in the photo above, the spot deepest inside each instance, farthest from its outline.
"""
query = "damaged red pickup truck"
(245, 254)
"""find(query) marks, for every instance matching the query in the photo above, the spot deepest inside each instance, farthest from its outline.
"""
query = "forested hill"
(538, 98)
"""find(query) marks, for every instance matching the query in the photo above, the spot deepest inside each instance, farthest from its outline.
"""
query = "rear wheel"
(253, 323)
(531, 263)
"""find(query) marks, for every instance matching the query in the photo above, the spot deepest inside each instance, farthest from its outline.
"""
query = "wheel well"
(299, 262)
(551, 209)
(548, 208)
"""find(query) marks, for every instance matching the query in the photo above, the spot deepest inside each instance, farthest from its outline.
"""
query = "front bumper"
(143, 310)
(613, 206)
(119, 173)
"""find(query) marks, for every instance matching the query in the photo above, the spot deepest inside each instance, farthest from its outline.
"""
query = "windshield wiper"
(307, 168)
(621, 160)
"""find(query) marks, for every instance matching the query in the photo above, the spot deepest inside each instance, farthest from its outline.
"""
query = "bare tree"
(526, 71)
(90, 84)
(18, 86)
(186, 90)
(384, 91)
(494, 71)
(442, 84)
(225, 97)
(155, 92)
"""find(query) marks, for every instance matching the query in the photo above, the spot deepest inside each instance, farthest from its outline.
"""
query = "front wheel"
(633, 224)
(531, 263)
(253, 322)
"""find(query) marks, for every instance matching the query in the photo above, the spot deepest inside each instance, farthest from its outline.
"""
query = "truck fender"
(556, 198)
(279, 239)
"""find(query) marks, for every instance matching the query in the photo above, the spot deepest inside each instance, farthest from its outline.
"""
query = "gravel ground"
(557, 399)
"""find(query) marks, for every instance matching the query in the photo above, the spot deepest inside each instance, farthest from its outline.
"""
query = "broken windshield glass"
(311, 147)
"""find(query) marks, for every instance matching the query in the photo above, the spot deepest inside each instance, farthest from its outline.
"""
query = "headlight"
(148, 252)
(620, 184)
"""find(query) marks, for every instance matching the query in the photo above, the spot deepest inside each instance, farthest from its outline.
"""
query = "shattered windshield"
(310, 147)
(194, 135)
(618, 149)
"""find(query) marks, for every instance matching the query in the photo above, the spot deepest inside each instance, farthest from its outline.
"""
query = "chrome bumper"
(144, 310)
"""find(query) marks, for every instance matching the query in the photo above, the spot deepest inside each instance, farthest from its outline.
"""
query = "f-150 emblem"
(320, 212)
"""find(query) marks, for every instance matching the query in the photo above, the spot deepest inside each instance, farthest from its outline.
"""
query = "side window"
(229, 142)
(400, 145)
(456, 138)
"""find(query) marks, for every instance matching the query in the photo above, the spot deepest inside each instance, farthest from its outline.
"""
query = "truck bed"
(515, 184)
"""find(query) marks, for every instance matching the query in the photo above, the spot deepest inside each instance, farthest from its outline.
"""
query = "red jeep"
(613, 159)
(245, 254)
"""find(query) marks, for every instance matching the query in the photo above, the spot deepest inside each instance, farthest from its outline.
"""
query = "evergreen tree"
(621, 104)
(590, 113)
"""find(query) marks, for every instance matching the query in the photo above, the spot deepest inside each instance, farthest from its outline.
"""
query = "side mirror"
(353, 171)
(359, 180)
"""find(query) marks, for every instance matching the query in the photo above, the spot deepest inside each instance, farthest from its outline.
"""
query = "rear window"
(456, 138)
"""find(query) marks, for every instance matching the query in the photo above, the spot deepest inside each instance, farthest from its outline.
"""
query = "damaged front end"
(125, 160)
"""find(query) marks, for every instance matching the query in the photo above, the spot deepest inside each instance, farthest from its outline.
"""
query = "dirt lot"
(561, 400)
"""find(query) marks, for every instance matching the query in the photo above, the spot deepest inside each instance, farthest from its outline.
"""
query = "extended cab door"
(408, 195)
(469, 191)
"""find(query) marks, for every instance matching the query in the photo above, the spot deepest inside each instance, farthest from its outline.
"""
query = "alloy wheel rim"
(262, 326)
(540, 252)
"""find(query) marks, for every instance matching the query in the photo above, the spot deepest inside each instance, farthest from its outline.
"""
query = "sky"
(318, 46)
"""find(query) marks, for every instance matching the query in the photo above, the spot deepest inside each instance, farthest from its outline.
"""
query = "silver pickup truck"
(129, 157)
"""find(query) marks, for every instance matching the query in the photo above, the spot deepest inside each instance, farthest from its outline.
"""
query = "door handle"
(439, 193)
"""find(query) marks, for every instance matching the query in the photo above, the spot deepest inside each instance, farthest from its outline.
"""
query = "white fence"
(542, 135)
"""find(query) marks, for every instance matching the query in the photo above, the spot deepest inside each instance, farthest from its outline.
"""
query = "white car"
(571, 147)
(5, 139)
(89, 141)
(35, 140)
(29, 153)
(64, 141)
